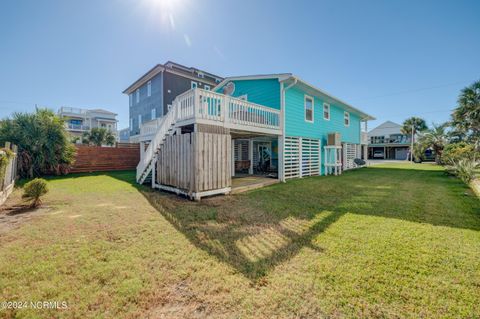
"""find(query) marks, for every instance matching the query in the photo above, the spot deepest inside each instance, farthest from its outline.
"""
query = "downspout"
(282, 106)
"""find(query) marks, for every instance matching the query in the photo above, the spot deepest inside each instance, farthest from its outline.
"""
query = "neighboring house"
(151, 96)
(80, 120)
(387, 141)
(123, 135)
(273, 125)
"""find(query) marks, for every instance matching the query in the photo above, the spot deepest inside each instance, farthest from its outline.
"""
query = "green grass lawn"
(384, 241)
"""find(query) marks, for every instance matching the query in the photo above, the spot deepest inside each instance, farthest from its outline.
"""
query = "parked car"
(378, 154)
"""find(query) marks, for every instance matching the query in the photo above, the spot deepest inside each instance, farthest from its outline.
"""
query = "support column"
(281, 158)
(233, 158)
(250, 156)
(142, 151)
(153, 171)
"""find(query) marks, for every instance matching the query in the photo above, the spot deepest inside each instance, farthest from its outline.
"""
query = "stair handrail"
(156, 141)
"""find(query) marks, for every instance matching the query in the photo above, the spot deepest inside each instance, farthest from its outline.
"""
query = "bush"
(43, 144)
(456, 151)
(464, 169)
(35, 189)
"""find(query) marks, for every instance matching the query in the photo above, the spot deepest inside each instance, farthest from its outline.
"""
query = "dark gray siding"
(146, 104)
(175, 85)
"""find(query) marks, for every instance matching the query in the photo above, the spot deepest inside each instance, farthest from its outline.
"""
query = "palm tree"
(412, 126)
(436, 138)
(98, 136)
(466, 117)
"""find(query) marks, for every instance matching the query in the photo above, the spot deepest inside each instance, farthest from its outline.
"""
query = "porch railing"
(208, 105)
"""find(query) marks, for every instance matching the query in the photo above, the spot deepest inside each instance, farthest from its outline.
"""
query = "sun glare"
(163, 11)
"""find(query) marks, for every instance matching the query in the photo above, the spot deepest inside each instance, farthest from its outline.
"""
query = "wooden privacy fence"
(195, 164)
(8, 176)
(123, 156)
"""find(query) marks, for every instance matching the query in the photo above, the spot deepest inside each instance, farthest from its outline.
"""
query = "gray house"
(152, 94)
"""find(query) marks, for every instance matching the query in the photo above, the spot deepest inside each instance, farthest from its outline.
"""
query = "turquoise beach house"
(273, 126)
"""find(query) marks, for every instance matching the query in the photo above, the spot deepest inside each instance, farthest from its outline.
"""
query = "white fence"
(9, 175)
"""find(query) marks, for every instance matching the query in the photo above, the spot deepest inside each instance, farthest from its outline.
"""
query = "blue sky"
(392, 59)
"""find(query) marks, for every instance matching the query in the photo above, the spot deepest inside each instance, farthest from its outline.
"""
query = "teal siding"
(295, 124)
(264, 92)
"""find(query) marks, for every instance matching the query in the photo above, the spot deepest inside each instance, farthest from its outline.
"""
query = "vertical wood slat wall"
(195, 162)
(302, 157)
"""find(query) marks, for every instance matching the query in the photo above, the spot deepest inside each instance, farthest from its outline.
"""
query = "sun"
(164, 11)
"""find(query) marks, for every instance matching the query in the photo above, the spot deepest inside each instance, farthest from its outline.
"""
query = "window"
(103, 125)
(346, 118)
(154, 113)
(149, 88)
(131, 124)
(201, 75)
(217, 80)
(326, 111)
(308, 108)
(138, 95)
(139, 120)
(207, 87)
(194, 85)
(130, 99)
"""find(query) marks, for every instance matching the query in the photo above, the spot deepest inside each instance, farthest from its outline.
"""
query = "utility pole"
(411, 148)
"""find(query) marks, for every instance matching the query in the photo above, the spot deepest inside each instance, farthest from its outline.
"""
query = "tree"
(98, 136)
(412, 126)
(466, 117)
(43, 145)
(436, 138)
(417, 123)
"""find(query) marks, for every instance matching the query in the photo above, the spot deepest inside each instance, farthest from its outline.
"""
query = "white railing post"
(226, 108)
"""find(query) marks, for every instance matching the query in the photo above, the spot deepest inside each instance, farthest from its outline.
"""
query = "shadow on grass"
(256, 231)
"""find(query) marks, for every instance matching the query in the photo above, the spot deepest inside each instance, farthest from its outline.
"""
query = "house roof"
(386, 128)
(171, 67)
(289, 77)
(102, 111)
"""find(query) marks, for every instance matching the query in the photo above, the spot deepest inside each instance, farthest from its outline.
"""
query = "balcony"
(77, 127)
(64, 110)
(207, 107)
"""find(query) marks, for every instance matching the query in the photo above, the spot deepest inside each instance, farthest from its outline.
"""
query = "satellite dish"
(229, 88)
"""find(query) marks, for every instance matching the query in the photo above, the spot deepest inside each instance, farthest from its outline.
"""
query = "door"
(263, 160)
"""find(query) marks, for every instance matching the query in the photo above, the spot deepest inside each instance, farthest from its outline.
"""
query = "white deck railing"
(208, 105)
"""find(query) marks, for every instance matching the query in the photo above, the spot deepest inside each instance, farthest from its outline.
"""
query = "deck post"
(153, 171)
(142, 150)
(233, 157)
(281, 158)
(250, 156)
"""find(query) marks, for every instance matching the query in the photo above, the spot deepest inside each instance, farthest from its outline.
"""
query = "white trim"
(193, 84)
(346, 115)
(325, 104)
(305, 97)
(252, 77)
(243, 97)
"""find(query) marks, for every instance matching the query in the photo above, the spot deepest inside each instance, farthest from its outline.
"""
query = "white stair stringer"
(166, 128)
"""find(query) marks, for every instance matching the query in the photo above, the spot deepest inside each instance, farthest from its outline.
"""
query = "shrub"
(464, 169)
(43, 145)
(457, 151)
(35, 189)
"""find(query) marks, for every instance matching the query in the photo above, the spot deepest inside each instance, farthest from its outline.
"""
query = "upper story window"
(346, 118)
(326, 111)
(377, 139)
(308, 108)
(149, 88)
(217, 80)
(139, 120)
(131, 124)
(154, 113)
(137, 93)
(201, 75)
(194, 85)
(207, 87)
(130, 99)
